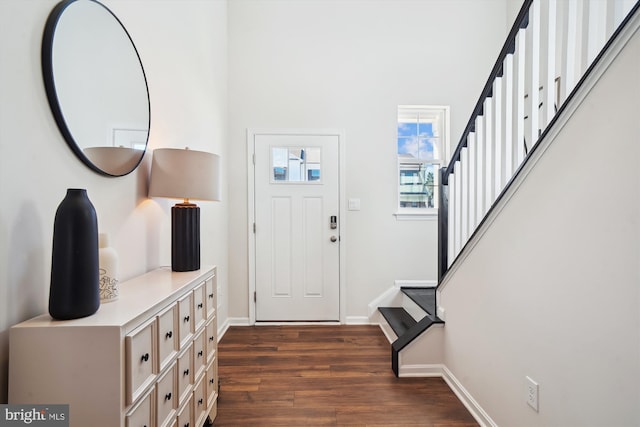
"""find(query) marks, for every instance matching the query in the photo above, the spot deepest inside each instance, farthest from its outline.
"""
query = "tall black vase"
(75, 275)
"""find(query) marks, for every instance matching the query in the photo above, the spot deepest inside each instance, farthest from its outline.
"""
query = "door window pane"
(295, 164)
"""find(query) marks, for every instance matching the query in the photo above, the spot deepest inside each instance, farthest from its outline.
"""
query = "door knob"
(334, 239)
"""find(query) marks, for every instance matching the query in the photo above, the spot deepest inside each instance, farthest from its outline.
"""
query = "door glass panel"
(295, 164)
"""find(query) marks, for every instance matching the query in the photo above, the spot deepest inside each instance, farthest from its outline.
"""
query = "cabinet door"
(200, 312)
(212, 383)
(167, 335)
(185, 418)
(199, 356)
(166, 397)
(185, 373)
(200, 402)
(185, 319)
(212, 339)
(210, 291)
(140, 360)
(141, 415)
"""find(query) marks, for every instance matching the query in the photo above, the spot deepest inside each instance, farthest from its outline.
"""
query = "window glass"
(420, 151)
(295, 164)
(418, 185)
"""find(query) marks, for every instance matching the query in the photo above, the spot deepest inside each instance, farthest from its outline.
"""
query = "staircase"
(406, 323)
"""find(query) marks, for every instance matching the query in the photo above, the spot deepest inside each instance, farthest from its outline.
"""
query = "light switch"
(354, 204)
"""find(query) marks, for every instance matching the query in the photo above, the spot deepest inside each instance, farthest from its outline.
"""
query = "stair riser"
(412, 308)
(387, 330)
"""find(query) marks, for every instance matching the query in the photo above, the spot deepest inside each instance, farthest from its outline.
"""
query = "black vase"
(75, 275)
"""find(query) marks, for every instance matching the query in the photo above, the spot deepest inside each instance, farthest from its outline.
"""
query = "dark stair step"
(398, 318)
(424, 297)
(405, 326)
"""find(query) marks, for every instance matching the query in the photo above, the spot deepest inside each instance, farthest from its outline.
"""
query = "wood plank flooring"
(324, 376)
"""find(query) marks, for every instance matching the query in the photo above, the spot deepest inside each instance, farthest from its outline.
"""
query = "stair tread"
(398, 318)
(424, 297)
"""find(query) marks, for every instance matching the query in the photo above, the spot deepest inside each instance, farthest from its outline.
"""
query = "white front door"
(297, 228)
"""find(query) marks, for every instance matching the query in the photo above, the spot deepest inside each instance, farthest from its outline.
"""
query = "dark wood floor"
(308, 376)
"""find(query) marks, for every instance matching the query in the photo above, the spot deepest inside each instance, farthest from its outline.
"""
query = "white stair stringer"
(424, 356)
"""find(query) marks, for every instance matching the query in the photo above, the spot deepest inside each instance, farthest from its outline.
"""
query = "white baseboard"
(357, 320)
(238, 321)
(441, 370)
(467, 400)
(436, 370)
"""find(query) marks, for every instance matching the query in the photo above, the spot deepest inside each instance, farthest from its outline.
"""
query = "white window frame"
(424, 114)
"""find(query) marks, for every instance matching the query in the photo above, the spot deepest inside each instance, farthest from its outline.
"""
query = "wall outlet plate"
(531, 393)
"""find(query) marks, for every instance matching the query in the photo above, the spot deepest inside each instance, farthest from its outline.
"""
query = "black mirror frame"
(52, 95)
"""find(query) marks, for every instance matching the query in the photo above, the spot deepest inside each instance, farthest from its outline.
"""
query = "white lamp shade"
(185, 174)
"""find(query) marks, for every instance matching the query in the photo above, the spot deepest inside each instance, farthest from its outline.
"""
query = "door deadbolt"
(333, 222)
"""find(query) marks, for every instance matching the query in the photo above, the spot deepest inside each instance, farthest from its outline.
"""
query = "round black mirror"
(96, 86)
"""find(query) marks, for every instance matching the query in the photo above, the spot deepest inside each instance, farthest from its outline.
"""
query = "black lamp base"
(185, 237)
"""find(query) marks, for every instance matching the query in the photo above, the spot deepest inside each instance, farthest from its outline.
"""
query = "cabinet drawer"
(199, 402)
(184, 414)
(199, 355)
(140, 360)
(212, 339)
(141, 415)
(199, 310)
(210, 291)
(211, 378)
(185, 373)
(167, 335)
(166, 397)
(185, 319)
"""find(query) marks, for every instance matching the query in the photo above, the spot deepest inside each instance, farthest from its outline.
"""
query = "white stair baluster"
(498, 144)
(464, 196)
(471, 145)
(509, 117)
(480, 166)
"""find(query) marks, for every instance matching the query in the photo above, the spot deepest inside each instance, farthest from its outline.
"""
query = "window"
(422, 146)
(295, 164)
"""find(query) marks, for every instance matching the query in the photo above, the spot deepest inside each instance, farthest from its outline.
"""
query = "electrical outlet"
(532, 394)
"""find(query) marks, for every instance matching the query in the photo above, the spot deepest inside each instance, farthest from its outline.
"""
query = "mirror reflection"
(96, 86)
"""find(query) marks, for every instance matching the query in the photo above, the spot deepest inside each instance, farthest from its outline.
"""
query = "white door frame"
(251, 134)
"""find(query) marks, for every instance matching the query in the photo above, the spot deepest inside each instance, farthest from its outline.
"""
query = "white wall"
(347, 65)
(551, 291)
(183, 46)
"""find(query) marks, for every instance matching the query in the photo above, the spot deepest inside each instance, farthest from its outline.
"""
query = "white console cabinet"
(147, 359)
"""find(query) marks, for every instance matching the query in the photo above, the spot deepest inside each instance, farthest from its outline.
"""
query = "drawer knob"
(167, 396)
(185, 373)
(211, 338)
(200, 401)
(145, 357)
(186, 425)
(186, 318)
(210, 295)
(200, 305)
(211, 381)
(200, 353)
(169, 334)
